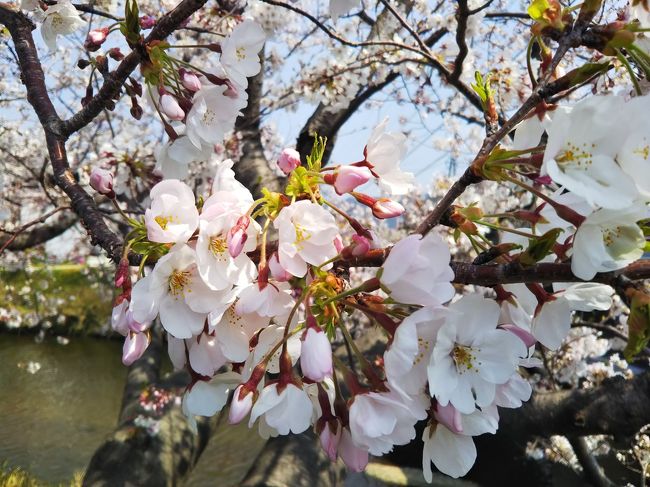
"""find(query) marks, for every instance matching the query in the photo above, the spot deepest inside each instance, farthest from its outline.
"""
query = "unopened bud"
(348, 178)
(147, 22)
(289, 160)
(96, 38)
(101, 181)
(387, 208)
(190, 80)
(170, 107)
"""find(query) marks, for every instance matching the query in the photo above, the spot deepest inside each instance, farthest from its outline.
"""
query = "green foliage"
(130, 27)
(315, 159)
(540, 247)
(482, 89)
(74, 297)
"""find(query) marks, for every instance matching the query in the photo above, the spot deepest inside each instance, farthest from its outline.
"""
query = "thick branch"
(618, 407)
(22, 239)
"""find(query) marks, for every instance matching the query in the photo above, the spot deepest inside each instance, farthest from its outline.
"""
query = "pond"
(59, 402)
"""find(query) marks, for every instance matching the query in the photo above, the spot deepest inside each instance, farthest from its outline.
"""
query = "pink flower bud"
(329, 440)
(240, 405)
(450, 417)
(134, 346)
(96, 38)
(119, 322)
(147, 22)
(289, 160)
(350, 177)
(316, 354)
(361, 245)
(101, 181)
(190, 80)
(526, 337)
(170, 107)
(278, 272)
(338, 244)
(355, 458)
(387, 208)
(237, 236)
(136, 326)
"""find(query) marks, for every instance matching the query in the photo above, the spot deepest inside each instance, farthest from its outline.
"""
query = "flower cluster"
(255, 319)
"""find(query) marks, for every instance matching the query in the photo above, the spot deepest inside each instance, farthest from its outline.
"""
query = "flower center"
(240, 52)
(217, 245)
(209, 117)
(302, 235)
(423, 350)
(575, 156)
(163, 221)
(464, 359)
(178, 281)
(644, 152)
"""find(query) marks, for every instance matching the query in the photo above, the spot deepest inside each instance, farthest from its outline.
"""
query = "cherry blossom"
(472, 356)
(307, 233)
(581, 150)
(608, 240)
(173, 216)
(384, 151)
(378, 421)
(286, 409)
(239, 51)
(417, 271)
(61, 19)
(176, 291)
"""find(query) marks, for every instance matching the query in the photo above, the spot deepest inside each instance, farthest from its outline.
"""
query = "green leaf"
(540, 247)
(315, 159)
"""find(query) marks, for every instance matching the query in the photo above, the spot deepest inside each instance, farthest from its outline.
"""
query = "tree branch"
(20, 239)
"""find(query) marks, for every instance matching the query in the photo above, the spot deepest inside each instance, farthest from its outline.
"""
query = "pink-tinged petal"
(316, 355)
(355, 458)
(329, 441)
(525, 336)
(289, 160)
(450, 417)
(135, 345)
(240, 406)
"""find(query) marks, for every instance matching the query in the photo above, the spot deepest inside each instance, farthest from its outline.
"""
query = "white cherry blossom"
(172, 217)
(407, 358)
(60, 19)
(454, 453)
(380, 420)
(417, 271)
(471, 355)
(176, 291)
(217, 267)
(608, 240)
(306, 236)
(285, 408)
(213, 113)
(239, 51)
(581, 150)
(384, 151)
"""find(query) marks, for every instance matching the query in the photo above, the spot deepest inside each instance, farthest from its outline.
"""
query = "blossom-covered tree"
(305, 294)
